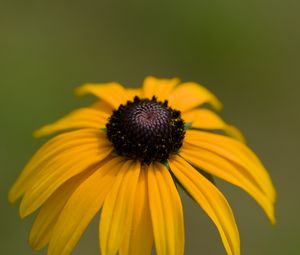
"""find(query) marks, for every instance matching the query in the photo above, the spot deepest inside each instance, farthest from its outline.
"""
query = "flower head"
(125, 155)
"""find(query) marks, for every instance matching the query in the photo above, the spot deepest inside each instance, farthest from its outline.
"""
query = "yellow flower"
(124, 156)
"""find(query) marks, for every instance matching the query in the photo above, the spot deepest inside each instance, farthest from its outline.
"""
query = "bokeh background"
(247, 52)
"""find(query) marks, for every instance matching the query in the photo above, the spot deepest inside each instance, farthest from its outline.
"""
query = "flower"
(125, 155)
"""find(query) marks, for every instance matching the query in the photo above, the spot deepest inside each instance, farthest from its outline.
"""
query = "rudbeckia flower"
(126, 156)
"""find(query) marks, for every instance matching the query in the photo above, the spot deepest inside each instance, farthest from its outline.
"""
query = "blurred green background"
(247, 52)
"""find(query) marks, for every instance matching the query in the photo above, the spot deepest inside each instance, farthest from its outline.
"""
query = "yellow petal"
(81, 208)
(78, 119)
(166, 211)
(117, 209)
(234, 132)
(103, 106)
(236, 152)
(224, 169)
(133, 92)
(113, 93)
(139, 239)
(44, 223)
(47, 153)
(207, 119)
(190, 95)
(161, 88)
(211, 200)
(63, 167)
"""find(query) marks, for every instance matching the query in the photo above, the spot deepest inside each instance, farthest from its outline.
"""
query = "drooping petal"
(64, 167)
(118, 207)
(133, 92)
(207, 119)
(161, 88)
(190, 95)
(166, 211)
(81, 208)
(44, 223)
(78, 119)
(48, 153)
(113, 93)
(226, 170)
(211, 200)
(139, 239)
(237, 152)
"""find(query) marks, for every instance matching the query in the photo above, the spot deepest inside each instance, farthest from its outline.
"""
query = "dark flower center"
(147, 130)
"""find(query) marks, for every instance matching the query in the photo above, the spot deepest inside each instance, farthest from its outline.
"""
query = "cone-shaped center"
(146, 129)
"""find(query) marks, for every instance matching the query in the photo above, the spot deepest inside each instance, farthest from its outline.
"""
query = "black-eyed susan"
(124, 155)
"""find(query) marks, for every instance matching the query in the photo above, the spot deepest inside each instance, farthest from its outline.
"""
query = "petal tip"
(217, 104)
(43, 131)
(34, 244)
(13, 194)
(272, 218)
(81, 90)
(273, 221)
(24, 210)
(22, 213)
(235, 133)
(38, 133)
(11, 197)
